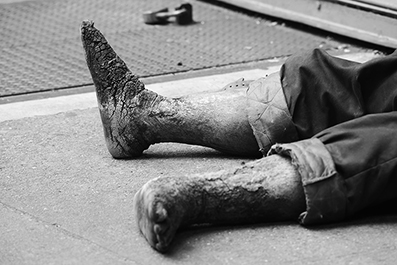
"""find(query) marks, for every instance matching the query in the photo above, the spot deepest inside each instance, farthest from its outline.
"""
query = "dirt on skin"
(268, 189)
(134, 118)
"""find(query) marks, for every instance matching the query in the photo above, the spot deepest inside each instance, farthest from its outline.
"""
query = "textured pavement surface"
(64, 200)
(41, 48)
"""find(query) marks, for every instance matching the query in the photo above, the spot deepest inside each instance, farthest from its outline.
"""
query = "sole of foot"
(157, 217)
(121, 96)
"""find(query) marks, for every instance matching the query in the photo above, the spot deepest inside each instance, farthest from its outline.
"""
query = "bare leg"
(134, 117)
(268, 189)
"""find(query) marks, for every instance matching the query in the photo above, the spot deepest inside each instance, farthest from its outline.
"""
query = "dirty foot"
(267, 189)
(122, 98)
(160, 209)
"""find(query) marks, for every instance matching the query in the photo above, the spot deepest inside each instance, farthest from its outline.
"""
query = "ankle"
(130, 129)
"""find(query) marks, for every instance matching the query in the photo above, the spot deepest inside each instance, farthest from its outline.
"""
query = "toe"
(160, 213)
(157, 222)
(159, 229)
(152, 219)
(163, 240)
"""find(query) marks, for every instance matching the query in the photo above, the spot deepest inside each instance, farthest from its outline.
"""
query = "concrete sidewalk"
(64, 200)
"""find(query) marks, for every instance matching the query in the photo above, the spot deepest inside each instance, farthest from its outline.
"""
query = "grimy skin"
(268, 189)
(134, 118)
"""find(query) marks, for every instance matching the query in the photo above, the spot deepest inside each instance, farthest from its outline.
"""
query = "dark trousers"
(345, 115)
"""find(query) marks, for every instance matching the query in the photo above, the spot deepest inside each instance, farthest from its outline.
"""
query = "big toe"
(161, 226)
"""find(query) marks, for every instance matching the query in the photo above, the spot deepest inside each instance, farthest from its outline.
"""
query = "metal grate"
(41, 49)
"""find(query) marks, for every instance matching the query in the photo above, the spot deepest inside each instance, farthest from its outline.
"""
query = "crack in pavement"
(64, 231)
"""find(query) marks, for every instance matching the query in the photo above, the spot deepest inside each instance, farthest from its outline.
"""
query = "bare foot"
(122, 98)
(268, 189)
(133, 117)
(158, 213)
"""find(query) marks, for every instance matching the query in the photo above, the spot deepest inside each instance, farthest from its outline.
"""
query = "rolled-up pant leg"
(315, 91)
(347, 167)
(347, 112)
